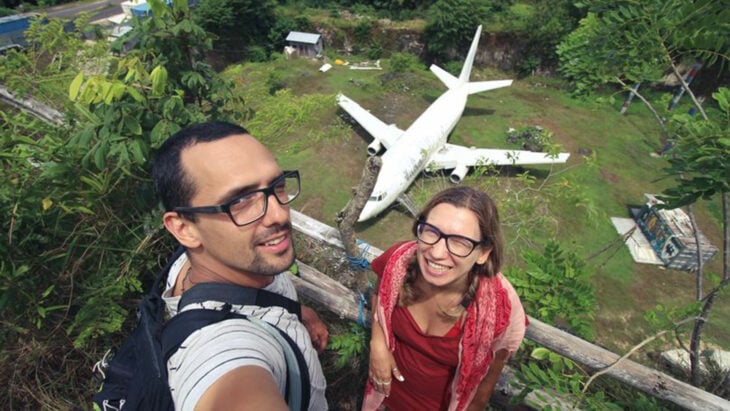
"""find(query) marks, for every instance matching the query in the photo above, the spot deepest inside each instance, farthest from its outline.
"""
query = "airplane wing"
(453, 156)
(388, 134)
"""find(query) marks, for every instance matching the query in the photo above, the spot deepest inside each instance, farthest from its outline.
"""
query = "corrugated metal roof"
(299, 37)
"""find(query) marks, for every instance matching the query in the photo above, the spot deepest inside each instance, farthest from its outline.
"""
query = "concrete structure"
(303, 45)
(670, 234)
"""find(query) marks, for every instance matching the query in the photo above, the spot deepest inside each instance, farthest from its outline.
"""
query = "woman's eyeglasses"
(457, 245)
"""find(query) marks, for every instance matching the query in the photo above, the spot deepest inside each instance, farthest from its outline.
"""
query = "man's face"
(222, 170)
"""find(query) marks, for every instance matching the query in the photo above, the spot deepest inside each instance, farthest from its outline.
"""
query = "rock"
(712, 361)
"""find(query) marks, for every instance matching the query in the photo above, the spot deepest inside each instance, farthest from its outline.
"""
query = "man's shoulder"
(217, 349)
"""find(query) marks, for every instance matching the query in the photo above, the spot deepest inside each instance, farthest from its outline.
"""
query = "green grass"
(331, 155)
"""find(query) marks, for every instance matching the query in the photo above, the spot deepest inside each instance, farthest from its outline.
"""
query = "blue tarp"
(12, 29)
(141, 10)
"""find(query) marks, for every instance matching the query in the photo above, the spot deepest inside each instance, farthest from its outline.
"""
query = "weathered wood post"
(347, 218)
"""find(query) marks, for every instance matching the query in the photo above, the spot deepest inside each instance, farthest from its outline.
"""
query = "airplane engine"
(374, 147)
(458, 174)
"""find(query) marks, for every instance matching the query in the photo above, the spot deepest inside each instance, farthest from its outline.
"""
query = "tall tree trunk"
(699, 273)
(725, 237)
(709, 299)
(694, 344)
(347, 218)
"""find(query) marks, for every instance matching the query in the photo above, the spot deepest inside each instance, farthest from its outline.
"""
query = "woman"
(445, 320)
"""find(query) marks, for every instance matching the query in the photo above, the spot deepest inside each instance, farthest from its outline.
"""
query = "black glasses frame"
(422, 224)
(226, 208)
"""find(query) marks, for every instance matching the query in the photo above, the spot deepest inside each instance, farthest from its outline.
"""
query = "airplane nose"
(369, 211)
(364, 217)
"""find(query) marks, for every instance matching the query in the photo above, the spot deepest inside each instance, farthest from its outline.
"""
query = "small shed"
(671, 236)
(304, 44)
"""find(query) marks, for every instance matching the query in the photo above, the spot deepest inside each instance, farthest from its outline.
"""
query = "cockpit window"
(376, 197)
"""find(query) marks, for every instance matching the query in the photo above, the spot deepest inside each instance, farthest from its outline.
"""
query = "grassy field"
(306, 131)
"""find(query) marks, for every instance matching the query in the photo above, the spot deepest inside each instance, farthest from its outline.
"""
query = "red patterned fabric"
(487, 317)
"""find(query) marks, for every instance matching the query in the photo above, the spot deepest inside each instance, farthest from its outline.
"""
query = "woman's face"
(439, 267)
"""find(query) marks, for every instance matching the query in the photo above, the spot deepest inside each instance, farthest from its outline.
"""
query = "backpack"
(135, 376)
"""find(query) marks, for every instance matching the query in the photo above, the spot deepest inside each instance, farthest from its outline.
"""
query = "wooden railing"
(345, 302)
(32, 106)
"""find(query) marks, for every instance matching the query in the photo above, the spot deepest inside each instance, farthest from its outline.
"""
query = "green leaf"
(159, 80)
(73, 89)
(135, 94)
(96, 185)
(48, 291)
(540, 353)
(137, 151)
(132, 125)
(100, 155)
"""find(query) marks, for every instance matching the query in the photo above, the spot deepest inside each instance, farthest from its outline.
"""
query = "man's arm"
(317, 329)
(242, 389)
(486, 387)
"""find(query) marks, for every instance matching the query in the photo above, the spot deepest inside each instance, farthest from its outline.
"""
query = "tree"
(548, 23)
(628, 42)
(82, 232)
(700, 166)
(55, 50)
(276, 39)
(451, 23)
(237, 24)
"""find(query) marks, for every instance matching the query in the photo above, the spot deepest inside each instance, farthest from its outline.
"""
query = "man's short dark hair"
(174, 188)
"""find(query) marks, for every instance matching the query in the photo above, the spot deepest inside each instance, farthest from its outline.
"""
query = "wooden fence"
(32, 106)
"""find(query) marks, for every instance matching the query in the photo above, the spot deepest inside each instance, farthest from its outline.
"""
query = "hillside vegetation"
(82, 237)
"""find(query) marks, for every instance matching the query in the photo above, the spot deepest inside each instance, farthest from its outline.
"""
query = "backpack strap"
(237, 295)
(156, 290)
(297, 395)
(178, 328)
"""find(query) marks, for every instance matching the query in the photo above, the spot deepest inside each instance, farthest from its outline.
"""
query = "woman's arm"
(382, 367)
(486, 387)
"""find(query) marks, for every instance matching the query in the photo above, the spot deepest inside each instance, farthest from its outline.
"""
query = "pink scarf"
(487, 317)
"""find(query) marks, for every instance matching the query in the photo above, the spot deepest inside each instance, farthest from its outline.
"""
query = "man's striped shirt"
(211, 352)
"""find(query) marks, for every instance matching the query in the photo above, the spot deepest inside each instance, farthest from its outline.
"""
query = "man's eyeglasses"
(251, 206)
(457, 245)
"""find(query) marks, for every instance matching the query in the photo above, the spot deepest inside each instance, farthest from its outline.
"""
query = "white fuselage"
(409, 156)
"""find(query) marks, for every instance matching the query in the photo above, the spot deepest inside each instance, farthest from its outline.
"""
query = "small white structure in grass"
(301, 44)
(670, 234)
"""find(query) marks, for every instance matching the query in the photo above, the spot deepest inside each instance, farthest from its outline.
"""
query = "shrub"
(402, 62)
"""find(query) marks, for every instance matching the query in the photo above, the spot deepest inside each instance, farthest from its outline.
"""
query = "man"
(226, 202)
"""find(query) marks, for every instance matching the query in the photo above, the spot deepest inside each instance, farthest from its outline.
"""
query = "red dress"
(431, 359)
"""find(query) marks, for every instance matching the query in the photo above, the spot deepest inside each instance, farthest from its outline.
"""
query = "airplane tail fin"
(452, 82)
(466, 69)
